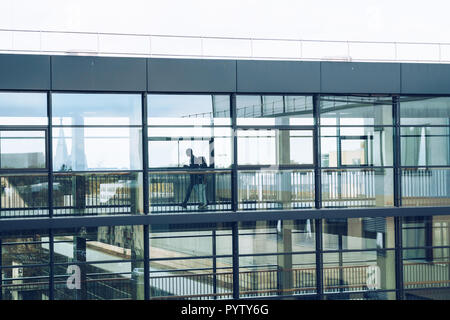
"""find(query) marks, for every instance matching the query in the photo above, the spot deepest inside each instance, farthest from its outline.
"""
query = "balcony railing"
(187, 46)
(292, 189)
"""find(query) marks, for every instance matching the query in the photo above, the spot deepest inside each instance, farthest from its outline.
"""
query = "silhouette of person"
(197, 181)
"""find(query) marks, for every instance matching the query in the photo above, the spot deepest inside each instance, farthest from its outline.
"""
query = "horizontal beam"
(207, 217)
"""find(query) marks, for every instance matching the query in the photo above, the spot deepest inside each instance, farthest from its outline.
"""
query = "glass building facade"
(191, 195)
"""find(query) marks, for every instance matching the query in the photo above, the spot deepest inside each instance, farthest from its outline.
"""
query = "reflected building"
(318, 184)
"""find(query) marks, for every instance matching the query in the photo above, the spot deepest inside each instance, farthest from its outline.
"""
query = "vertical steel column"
(146, 233)
(146, 262)
(49, 158)
(145, 154)
(51, 284)
(234, 201)
(235, 251)
(316, 155)
(214, 266)
(396, 153)
(1, 272)
(318, 195)
(397, 200)
(234, 173)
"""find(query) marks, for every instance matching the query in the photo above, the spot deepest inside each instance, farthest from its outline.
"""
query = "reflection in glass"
(191, 263)
(275, 147)
(172, 109)
(96, 148)
(274, 110)
(99, 281)
(277, 258)
(268, 189)
(23, 108)
(22, 149)
(24, 195)
(24, 265)
(357, 188)
(189, 191)
(354, 110)
(358, 233)
(359, 271)
(425, 186)
(422, 146)
(356, 146)
(98, 194)
(426, 231)
(425, 111)
(167, 146)
(70, 109)
(121, 277)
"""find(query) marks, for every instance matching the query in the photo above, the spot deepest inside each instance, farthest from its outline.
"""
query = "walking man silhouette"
(197, 180)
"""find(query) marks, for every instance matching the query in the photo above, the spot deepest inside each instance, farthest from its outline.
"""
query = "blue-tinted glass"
(188, 109)
(23, 108)
(425, 111)
(96, 148)
(22, 149)
(274, 110)
(96, 109)
(352, 110)
(422, 146)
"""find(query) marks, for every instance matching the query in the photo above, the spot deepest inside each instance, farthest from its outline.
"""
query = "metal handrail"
(146, 45)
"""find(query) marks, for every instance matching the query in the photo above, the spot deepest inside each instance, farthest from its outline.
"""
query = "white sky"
(376, 20)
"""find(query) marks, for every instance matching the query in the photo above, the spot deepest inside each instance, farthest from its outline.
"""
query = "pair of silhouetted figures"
(197, 180)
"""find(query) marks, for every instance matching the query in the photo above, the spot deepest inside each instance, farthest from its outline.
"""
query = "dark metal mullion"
(398, 199)
(1, 272)
(51, 284)
(234, 173)
(234, 201)
(318, 196)
(49, 159)
(146, 231)
(235, 251)
(146, 262)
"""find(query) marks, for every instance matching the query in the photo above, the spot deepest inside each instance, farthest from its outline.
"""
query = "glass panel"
(277, 258)
(24, 195)
(20, 108)
(274, 110)
(191, 262)
(357, 188)
(99, 281)
(366, 295)
(167, 147)
(359, 271)
(425, 231)
(424, 294)
(358, 233)
(422, 146)
(269, 189)
(427, 268)
(25, 283)
(171, 109)
(96, 109)
(275, 147)
(22, 149)
(352, 110)
(98, 194)
(99, 244)
(20, 250)
(425, 187)
(189, 191)
(356, 146)
(424, 111)
(97, 149)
